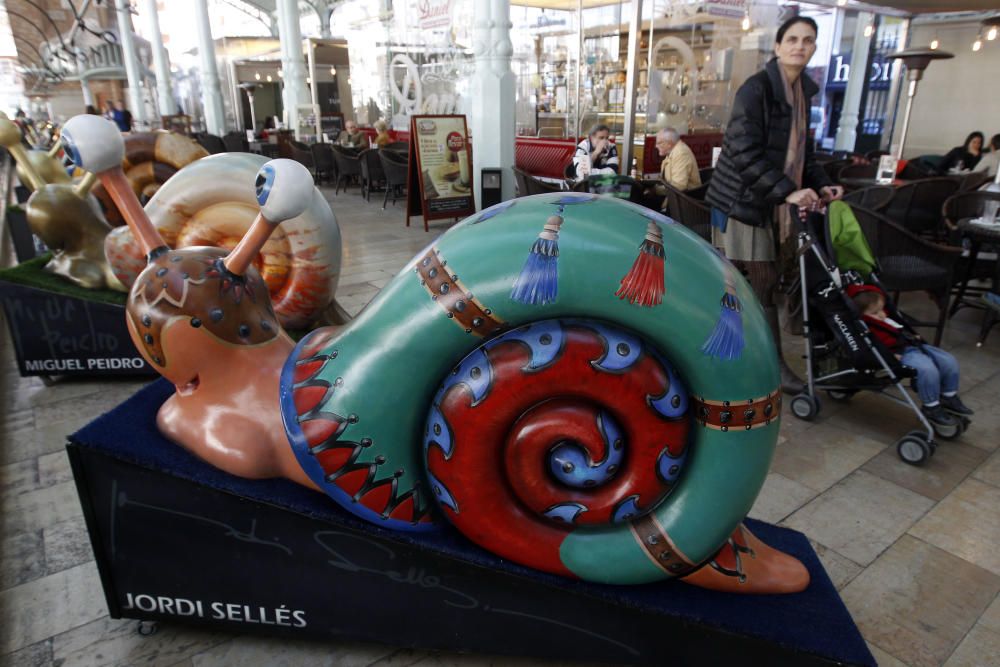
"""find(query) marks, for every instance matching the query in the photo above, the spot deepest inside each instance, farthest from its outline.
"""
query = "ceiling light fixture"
(269, 78)
(978, 44)
(745, 24)
(333, 71)
(256, 75)
(935, 43)
(869, 30)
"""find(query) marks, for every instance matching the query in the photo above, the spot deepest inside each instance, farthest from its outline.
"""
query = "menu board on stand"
(439, 182)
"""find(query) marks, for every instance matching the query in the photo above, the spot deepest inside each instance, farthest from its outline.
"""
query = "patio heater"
(916, 61)
(250, 87)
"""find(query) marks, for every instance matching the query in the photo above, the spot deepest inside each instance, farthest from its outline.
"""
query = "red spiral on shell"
(499, 472)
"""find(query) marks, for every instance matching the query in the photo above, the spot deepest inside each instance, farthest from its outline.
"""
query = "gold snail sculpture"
(65, 216)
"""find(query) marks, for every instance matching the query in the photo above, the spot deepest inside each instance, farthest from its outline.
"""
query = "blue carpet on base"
(814, 621)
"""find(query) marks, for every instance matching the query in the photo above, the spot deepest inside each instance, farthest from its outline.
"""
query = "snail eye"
(284, 189)
(93, 143)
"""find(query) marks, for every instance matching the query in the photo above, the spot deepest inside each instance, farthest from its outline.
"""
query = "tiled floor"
(915, 551)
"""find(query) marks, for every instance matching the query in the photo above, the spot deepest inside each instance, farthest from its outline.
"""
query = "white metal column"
(847, 130)
(211, 91)
(491, 114)
(164, 92)
(135, 102)
(294, 91)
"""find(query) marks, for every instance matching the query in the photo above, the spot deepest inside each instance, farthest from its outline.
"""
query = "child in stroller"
(937, 370)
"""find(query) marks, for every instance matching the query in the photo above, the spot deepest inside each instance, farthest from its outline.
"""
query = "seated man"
(599, 151)
(351, 136)
(679, 167)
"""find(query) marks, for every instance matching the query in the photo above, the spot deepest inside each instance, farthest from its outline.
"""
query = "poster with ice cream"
(443, 166)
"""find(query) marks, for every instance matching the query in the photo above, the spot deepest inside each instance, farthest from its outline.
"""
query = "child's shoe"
(954, 404)
(938, 415)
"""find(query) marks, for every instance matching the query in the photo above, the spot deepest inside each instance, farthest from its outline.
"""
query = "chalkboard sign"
(439, 183)
(56, 334)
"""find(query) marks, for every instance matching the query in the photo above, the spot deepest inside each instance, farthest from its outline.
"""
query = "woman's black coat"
(749, 178)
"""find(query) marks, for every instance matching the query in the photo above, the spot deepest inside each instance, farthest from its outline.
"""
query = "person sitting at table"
(679, 167)
(598, 148)
(382, 139)
(351, 136)
(966, 156)
(990, 162)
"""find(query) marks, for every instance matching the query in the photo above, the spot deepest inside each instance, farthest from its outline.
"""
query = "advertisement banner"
(440, 168)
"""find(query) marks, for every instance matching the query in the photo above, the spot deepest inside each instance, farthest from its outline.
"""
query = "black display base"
(66, 334)
(197, 546)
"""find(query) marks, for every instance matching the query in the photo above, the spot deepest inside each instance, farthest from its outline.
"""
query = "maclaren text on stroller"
(843, 357)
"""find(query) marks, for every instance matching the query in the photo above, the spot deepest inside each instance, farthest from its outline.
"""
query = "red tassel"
(643, 285)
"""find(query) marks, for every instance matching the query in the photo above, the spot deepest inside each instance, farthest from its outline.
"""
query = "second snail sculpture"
(576, 383)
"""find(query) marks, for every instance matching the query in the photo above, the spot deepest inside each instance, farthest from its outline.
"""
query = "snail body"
(715, 420)
(211, 202)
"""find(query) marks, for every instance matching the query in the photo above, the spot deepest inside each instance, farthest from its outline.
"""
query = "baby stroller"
(842, 355)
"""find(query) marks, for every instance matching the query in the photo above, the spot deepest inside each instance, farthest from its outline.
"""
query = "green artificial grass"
(33, 274)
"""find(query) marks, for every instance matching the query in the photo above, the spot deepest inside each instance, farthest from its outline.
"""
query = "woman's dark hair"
(973, 135)
(995, 142)
(600, 127)
(792, 21)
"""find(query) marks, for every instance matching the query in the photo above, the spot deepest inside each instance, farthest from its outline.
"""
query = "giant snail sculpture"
(577, 383)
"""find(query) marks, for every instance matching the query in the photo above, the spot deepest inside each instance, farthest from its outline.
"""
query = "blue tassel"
(726, 340)
(538, 282)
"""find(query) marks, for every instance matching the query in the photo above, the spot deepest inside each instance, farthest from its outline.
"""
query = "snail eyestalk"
(56, 147)
(10, 138)
(86, 183)
(242, 256)
(117, 185)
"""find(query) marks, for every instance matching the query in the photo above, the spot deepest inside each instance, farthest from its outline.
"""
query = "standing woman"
(767, 162)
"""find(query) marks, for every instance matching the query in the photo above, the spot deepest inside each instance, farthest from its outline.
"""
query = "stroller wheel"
(805, 407)
(914, 448)
(949, 431)
(839, 395)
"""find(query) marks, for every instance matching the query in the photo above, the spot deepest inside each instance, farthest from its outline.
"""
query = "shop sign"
(728, 8)
(879, 77)
(433, 13)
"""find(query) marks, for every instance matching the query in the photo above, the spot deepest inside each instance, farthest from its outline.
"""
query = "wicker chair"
(974, 181)
(909, 263)
(532, 185)
(236, 142)
(396, 172)
(958, 207)
(372, 174)
(874, 198)
(833, 167)
(324, 165)
(301, 154)
(520, 188)
(210, 142)
(690, 212)
(852, 170)
(348, 166)
(917, 206)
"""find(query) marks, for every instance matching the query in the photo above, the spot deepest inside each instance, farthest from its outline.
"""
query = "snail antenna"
(10, 138)
(96, 145)
(284, 189)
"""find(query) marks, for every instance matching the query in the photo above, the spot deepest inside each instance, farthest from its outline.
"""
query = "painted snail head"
(217, 291)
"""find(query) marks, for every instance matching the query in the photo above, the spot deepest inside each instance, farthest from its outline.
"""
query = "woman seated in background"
(964, 157)
(990, 162)
(382, 139)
